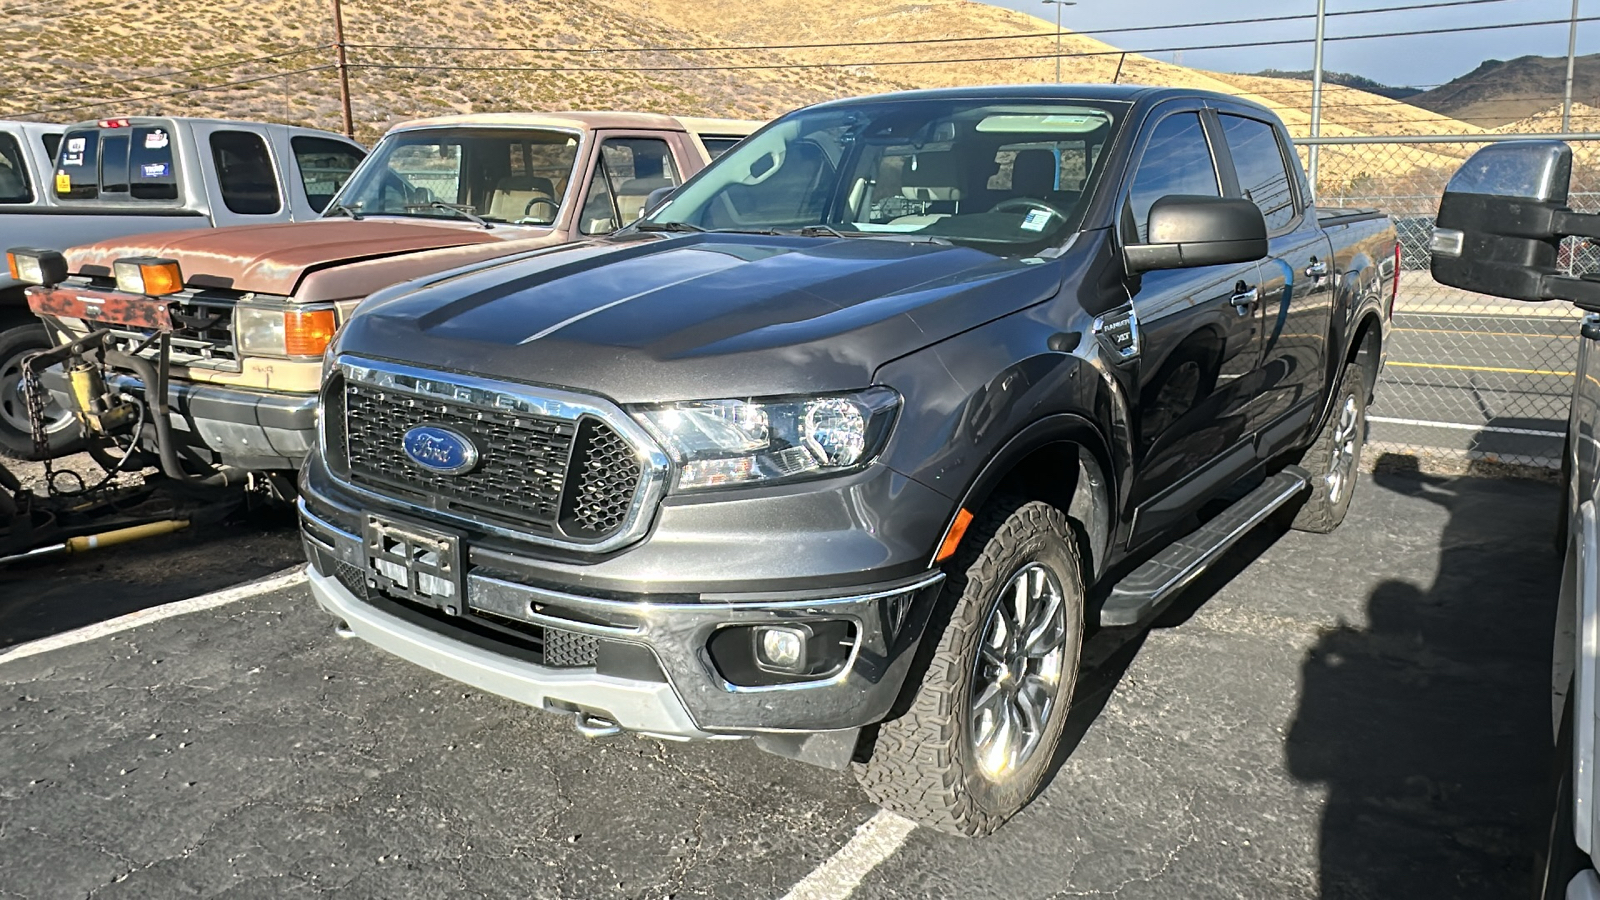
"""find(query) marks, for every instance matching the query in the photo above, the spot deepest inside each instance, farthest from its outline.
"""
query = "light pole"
(1058, 4)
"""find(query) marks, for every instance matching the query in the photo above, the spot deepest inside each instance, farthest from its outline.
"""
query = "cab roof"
(588, 121)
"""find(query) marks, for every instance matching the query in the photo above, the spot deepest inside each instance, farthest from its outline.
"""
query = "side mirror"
(1501, 221)
(656, 198)
(1190, 231)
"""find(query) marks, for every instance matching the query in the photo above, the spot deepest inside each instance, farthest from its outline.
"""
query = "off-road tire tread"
(914, 770)
(1319, 515)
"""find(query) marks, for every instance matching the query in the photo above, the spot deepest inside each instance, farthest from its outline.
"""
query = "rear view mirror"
(1502, 218)
(657, 198)
(1188, 231)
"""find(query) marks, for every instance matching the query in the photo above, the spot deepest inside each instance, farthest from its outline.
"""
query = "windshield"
(514, 176)
(1007, 177)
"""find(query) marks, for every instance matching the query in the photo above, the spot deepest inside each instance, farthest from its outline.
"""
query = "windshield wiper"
(821, 231)
(350, 211)
(675, 227)
(455, 208)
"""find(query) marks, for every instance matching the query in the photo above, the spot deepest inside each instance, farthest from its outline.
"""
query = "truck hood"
(271, 259)
(649, 319)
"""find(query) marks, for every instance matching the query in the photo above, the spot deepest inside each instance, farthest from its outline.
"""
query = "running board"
(1145, 591)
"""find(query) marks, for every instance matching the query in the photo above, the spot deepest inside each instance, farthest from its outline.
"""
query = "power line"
(926, 62)
(160, 75)
(193, 90)
(920, 41)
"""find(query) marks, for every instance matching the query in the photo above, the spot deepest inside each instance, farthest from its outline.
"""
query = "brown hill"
(1500, 92)
(65, 59)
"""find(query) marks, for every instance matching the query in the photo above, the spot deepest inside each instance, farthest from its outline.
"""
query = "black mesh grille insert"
(604, 476)
(522, 457)
(570, 650)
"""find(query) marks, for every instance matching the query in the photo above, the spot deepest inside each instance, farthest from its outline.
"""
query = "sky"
(1421, 60)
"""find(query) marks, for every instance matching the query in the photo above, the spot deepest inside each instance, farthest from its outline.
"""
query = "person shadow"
(1428, 723)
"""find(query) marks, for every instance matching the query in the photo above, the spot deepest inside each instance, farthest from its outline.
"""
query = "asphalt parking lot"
(1359, 715)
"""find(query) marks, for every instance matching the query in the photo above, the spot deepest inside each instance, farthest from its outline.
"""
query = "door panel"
(1298, 308)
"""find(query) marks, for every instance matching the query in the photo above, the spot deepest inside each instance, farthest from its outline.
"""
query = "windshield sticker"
(63, 183)
(75, 145)
(155, 140)
(155, 170)
(72, 159)
(1035, 220)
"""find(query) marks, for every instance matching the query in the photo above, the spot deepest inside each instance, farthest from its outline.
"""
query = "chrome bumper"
(694, 700)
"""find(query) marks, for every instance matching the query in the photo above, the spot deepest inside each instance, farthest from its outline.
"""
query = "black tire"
(1560, 858)
(924, 764)
(1334, 459)
(16, 438)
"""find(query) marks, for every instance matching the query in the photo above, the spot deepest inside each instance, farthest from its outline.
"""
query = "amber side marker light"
(952, 538)
(148, 275)
(308, 332)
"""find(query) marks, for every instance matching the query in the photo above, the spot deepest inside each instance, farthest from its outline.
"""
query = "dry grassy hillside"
(61, 57)
(1501, 92)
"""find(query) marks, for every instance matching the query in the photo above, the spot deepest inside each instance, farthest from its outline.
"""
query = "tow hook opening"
(343, 629)
(587, 722)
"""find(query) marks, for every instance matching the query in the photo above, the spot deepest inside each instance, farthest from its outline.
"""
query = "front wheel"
(16, 433)
(1335, 458)
(981, 731)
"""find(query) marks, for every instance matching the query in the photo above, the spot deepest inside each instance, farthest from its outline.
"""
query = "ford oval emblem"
(440, 449)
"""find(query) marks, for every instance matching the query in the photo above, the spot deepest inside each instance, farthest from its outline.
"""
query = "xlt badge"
(440, 449)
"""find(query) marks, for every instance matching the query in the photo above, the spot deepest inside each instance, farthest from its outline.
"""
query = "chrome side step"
(1145, 592)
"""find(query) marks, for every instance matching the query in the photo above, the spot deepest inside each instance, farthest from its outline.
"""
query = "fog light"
(781, 648)
(151, 276)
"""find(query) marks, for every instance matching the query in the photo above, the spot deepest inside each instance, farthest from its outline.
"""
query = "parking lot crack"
(1167, 862)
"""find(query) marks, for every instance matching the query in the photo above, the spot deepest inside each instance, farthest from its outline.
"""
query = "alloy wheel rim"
(14, 402)
(1344, 448)
(1018, 671)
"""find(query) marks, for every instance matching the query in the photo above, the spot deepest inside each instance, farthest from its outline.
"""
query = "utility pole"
(1058, 4)
(1572, 50)
(1316, 94)
(343, 66)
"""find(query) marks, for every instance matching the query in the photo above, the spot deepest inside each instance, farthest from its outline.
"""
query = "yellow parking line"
(1560, 337)
(1414, 365)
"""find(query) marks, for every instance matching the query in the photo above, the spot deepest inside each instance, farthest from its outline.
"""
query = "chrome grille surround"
(502, 396)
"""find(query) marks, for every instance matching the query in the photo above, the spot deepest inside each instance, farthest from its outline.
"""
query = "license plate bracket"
(415, 562)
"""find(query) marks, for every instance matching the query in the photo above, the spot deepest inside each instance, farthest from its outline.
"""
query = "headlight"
(46, 267)
(275, 331)
(718, 443)
(148, 275)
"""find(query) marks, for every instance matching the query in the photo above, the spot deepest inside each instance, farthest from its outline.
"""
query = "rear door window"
(1263, 174)
(245, 174)
(14, 187)
(324, 166)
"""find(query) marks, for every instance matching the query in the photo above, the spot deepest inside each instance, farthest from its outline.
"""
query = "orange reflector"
(161, 279)
(308, 332)
(952, 538)
(11, 263)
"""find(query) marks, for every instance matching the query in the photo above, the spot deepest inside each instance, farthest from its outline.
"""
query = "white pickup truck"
(65, 185)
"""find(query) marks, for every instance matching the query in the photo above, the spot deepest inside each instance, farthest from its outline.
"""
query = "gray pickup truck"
(845, 445)
(66, 185)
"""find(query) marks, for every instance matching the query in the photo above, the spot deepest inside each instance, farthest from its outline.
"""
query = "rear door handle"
(1243, 300)
(1317, 269)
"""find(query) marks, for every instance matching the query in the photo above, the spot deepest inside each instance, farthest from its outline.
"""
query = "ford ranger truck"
(66, 185)
(844, 446)
(252, 308)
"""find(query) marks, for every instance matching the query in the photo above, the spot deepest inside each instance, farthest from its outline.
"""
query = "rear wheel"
(1335, 458)
(1560, 859)
(16, 433)
(982, 729)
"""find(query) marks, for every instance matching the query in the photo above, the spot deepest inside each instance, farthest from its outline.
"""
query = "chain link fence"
(1469, 377)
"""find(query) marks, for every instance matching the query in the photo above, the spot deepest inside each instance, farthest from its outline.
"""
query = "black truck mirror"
(655, 198)
(1187, 231)
(1502, 218)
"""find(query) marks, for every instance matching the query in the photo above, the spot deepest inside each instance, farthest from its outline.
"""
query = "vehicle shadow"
(1428, 724)
(59, 593)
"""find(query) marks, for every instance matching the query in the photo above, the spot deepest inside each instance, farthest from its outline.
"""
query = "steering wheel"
(538, 201)
(1021, 204)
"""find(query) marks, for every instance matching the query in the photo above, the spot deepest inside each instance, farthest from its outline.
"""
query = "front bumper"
(230, 426)
(652, 672)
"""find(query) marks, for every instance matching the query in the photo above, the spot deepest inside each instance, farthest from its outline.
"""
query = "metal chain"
(34, 395)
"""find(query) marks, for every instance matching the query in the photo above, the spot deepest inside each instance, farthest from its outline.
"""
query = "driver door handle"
(1317, 269)
(1244, 298)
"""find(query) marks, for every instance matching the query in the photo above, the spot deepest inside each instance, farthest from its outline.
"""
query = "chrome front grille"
(549, 466)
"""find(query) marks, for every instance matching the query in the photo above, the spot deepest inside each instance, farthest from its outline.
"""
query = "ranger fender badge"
(440, 449)
(1119, 332)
